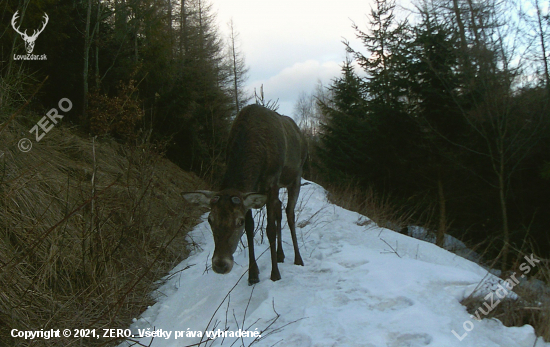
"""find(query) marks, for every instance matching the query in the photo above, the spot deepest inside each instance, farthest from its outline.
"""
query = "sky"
(291, 45)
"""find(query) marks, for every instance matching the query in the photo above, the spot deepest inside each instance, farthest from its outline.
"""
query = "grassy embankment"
(87, 229)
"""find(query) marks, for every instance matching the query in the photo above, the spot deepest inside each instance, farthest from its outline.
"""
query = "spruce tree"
(343, 143)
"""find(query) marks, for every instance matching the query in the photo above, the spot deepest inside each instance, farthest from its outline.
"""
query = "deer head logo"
(29, 40)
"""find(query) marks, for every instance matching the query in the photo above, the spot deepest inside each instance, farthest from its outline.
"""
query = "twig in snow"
(226, 326)
(238, 327)
(194, 244)
(246, 309)
(206, 267)
(393, 249)
(221, 303)
(274, 331)
(177, 272)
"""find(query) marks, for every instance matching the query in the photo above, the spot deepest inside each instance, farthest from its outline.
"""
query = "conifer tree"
(342, 151)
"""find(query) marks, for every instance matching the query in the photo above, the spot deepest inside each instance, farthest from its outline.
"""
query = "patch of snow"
(361, 285)
(450, 243)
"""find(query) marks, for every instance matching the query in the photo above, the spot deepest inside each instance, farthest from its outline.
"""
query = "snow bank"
(361, 286)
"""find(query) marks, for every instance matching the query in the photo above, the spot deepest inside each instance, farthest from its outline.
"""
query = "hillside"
(87, 225)
(361, 285)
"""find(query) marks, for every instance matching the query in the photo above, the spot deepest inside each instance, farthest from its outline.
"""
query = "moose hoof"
(280, 256)
(275, 276)
(253, 274)
(298, 261)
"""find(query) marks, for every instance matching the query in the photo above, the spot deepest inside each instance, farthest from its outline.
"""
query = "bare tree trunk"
(201, 28)
(136, 50)
(440, 240)
(183, 30)
(474, 24)
(170, 29)
(86, 61)
(137, 22)
(234, 61)
(463, 42)
(504, 211)
(460, 23)
(96, 33)
(543, 47)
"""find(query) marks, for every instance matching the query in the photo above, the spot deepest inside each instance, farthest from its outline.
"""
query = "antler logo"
(29, 40)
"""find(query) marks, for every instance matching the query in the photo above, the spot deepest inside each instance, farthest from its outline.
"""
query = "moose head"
(29, 40)
(227, 219)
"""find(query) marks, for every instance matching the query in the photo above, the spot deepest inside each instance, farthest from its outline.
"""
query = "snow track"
(361, 286)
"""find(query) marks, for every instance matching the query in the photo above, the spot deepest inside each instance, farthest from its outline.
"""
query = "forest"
(91, 216)
(130, 67)
(443, 111)
(445, 114)
(441, 115)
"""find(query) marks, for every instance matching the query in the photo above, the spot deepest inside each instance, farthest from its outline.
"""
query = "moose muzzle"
(222, 265)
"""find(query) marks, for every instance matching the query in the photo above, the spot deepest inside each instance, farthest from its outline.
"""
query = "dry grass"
(86, 228)
(366, 202)
(532, 307)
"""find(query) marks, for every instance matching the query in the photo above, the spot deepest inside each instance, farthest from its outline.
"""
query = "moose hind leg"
(279, 217)
(293, 193)
(253, 271)
(272, 234)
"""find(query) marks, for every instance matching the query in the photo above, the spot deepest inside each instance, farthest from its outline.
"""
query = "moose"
(265, 152)
(29, 40)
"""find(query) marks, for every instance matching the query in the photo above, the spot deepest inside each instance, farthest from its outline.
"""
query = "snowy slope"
(361, 286)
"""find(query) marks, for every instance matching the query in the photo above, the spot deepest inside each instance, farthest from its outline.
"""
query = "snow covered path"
(361, 286)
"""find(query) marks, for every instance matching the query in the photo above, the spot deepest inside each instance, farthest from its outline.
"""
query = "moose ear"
(254, 200)
(200, 197)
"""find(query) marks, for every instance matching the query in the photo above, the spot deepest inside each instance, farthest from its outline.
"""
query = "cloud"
(277, 34)
(291, 81)
(291, 44)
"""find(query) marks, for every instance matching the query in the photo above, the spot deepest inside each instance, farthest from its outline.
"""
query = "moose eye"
(214, 199)
(240, 222)
(236, 200)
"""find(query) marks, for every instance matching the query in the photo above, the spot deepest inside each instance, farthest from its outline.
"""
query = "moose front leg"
(253, 271)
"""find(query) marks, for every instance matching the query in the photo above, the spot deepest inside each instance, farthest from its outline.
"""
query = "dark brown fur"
(265, 152)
